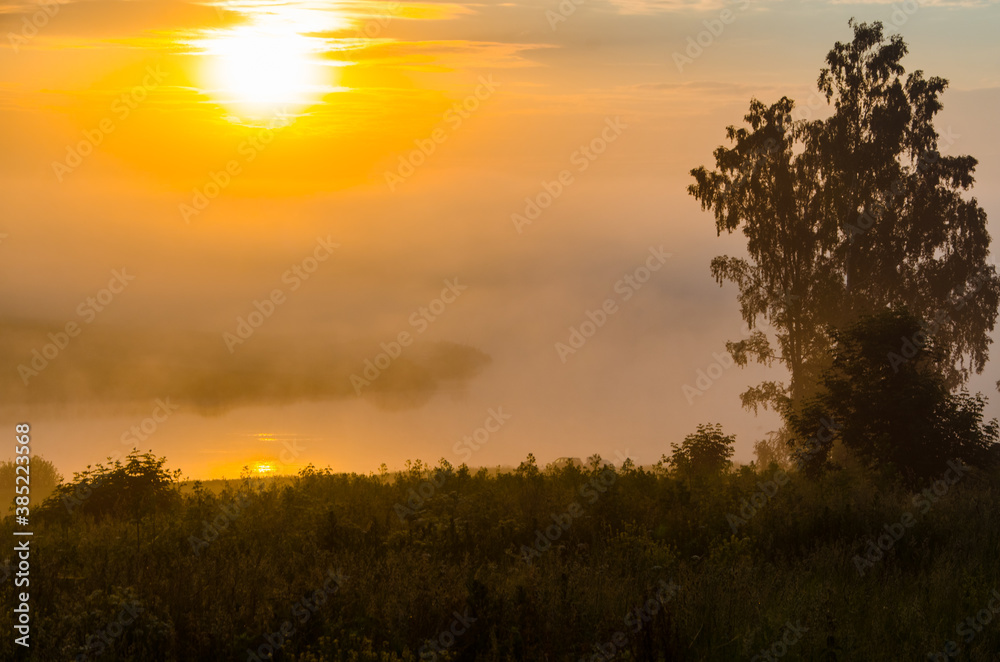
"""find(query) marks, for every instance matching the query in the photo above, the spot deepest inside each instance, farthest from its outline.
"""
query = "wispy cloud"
(666, 6)
(922, 3)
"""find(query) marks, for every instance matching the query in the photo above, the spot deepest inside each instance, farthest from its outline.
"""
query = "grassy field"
(568, 563)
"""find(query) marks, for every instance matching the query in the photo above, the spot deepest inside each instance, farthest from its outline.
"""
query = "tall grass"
(458, 564)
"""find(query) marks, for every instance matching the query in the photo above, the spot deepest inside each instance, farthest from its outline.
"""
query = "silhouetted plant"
(887, 389)
(406, 579)
(140, 485)
(528, 468)
(704, 453)
(43, 479)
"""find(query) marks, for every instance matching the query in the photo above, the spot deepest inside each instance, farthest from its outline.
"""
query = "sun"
(264, 468)
(264, 69)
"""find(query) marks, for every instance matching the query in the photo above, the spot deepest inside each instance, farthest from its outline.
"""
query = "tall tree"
(847, 215)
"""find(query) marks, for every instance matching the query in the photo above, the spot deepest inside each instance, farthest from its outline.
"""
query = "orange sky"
(209, 151)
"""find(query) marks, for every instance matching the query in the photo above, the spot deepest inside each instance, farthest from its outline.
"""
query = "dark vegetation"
(742, 551)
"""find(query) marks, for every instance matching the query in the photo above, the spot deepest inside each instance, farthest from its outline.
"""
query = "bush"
(886, 390)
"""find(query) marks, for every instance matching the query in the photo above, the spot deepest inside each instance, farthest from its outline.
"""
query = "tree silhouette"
(704, 453)
(848, 215)
(887, 390)
(44, 477)
(139, 486)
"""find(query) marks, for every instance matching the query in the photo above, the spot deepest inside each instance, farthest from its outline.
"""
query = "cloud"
(439, 55)
(921, 3)
(700, 87)
(663, 6)
(97, 19)
(116, 368)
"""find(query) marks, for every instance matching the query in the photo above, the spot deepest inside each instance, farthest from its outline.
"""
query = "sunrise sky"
(353, 174)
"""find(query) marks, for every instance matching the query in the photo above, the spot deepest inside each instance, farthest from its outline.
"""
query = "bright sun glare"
(265, 68)
(264, 468)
